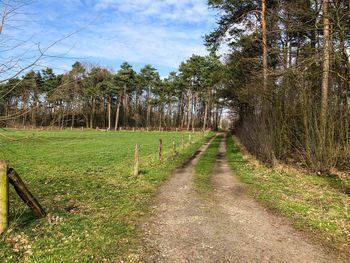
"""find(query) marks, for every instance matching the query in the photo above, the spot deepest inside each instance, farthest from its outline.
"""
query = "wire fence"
(164, 147)
(28, 152)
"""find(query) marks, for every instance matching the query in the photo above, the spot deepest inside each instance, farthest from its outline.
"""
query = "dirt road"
(227, 227)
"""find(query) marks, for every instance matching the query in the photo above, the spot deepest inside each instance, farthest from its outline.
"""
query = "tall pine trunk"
(118, 111)
(206, 111)
(109, 113)
(264, 39)
(195, 114)
(189, 107)
(325, 77)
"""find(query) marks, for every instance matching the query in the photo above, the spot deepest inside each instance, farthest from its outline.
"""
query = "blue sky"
(158, 32)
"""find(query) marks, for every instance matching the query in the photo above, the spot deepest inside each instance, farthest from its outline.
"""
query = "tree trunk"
(118, 110)
(73, 115)
(102, 108)
(137, 110)
(264, 39)
(92, 113)
(35, 103)
(181, 110)
(24, 109)
(216, 117)
(325, 76)
(109, 113)
(206, 112)
(195, 114)
(148, 117)
(189, 107)
(169, 112)
(125, 106)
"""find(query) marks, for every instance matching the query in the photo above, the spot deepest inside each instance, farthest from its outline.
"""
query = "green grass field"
(83, 180)
(312, 202)
(205, 166)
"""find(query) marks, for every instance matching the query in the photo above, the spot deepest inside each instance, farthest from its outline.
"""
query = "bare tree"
(19, 55)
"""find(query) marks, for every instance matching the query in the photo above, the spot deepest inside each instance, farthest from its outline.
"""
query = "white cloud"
(137, 43)
(161, 33)
(180, 10)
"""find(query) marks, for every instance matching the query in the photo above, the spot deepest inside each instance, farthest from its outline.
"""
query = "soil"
(227, 226)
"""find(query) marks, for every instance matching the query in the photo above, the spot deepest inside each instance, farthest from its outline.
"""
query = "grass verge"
(204, 168)
(83, 181)
(311, 201)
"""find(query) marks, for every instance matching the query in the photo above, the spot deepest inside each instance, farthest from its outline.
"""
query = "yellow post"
(4, 196)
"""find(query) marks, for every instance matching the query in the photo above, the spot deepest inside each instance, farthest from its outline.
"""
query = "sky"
(162, 33)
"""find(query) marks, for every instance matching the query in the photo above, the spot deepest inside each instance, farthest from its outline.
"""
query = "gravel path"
(227, 227)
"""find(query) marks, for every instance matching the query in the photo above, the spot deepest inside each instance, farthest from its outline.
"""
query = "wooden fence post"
(137, 155)
(189, 139)
(182, 143)
(4, 196)
(160, 149)
(25, 194)
(174, 145)
(133, 129)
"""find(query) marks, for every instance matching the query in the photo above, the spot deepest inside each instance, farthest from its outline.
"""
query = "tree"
(126, 75)
(212, 72)
(325, 76)
(108, 88)
(236, 14)
(148, 78)
(119, 83)
(191, 71)
(303, 109)
(170, 85)
(75, 82)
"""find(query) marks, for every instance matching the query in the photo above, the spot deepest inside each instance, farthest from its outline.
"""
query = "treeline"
(289, 77)
(93, 96)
